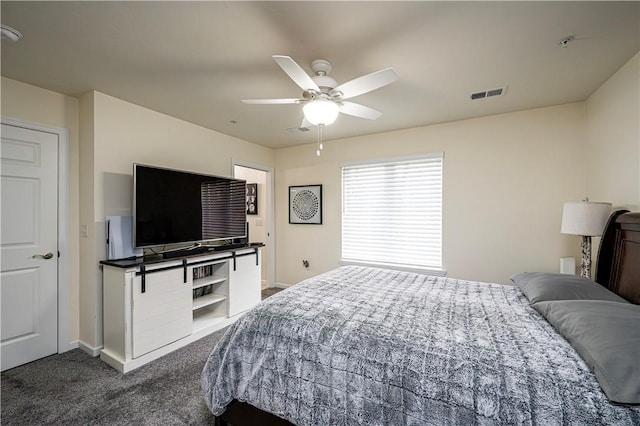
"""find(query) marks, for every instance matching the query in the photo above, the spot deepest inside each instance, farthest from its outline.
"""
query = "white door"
(28, 245)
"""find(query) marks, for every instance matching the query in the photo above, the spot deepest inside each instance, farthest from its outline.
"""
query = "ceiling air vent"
(298, 129)
(500, 91)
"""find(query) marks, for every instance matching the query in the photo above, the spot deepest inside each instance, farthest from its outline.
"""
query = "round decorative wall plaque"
(305, 204)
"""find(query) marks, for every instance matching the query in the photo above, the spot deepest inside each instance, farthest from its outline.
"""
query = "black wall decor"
(252, 198)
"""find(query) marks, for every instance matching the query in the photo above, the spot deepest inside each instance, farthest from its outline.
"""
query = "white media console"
(155, 306)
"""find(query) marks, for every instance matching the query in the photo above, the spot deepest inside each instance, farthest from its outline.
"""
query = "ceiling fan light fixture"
(321, 112)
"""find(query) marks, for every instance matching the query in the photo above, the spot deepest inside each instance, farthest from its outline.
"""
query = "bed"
(367, 346)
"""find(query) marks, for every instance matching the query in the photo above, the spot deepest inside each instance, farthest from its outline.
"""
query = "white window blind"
(392, 212)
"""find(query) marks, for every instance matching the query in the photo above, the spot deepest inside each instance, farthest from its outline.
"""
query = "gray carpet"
(270, 292)
(74, 388)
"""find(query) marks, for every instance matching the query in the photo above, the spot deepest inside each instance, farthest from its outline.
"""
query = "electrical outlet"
(305, 263)
(84, 231)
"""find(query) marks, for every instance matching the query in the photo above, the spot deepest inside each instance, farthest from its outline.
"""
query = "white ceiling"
(198, 60)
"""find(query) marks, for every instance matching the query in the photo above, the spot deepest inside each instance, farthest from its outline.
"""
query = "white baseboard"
(282, 285)
(72, 345)
(89, 349)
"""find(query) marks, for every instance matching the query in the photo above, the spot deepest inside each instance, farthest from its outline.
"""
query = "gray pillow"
(544, 286)
(607, 337)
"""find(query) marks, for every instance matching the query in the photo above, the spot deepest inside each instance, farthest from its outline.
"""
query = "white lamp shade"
(321, 111)
(584, 218)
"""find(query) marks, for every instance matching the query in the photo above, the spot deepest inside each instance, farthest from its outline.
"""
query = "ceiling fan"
(323, 97)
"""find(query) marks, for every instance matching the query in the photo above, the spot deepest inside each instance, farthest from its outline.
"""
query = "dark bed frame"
(618, 264)
(617, 269)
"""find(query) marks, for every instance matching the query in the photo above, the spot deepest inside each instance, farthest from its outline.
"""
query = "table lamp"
(586, 219)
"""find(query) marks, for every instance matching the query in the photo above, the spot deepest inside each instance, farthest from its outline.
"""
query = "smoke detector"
(8, 33)
(565, 41)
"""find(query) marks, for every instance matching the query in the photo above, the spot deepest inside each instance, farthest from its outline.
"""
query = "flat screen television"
(175, 207)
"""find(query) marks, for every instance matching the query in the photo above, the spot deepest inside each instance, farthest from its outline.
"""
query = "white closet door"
(29, 245)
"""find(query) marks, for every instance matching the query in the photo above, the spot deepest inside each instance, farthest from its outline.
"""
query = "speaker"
(120, 238)
(568, 265)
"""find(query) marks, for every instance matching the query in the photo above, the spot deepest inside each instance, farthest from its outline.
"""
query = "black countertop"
(158, 258)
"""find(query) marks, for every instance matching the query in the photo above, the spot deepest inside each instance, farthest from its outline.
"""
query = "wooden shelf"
(212, 279)
(208, 299)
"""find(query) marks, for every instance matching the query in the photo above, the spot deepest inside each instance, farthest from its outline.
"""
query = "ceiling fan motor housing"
(322, 67)
(324, 82)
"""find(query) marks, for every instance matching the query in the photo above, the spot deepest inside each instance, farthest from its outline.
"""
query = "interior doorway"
(33, 246)
(260, 213)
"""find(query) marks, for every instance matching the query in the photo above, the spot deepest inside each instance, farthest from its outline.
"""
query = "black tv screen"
(174, 206)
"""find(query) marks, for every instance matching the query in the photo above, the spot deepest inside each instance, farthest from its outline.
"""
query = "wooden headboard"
(618, 265)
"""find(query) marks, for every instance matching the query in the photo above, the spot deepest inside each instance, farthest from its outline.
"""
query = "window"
(392, 212)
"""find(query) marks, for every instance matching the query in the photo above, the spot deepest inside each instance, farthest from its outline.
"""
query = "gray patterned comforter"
(367, 346)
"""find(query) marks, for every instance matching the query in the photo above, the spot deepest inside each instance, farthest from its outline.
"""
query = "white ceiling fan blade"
(296, 73)
(366, 83)
(358, 110)
(271, 101)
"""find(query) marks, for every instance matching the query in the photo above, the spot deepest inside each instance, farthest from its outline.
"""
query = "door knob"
(43, 256)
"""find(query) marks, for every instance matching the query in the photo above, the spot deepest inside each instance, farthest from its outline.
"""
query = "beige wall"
(505, 179)
(123, 134)
(126, 133)
(106, 136)
(29, 103)
(613, 139)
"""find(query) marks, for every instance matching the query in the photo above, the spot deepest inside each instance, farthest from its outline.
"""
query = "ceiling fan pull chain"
(320, 126)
